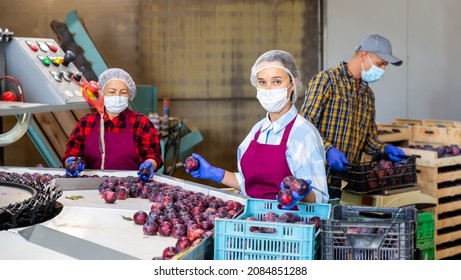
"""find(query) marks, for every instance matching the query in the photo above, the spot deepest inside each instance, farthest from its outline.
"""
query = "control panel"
(44, 71)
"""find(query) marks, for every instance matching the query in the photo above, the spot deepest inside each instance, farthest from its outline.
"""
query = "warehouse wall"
(424, 33)
(198, 53)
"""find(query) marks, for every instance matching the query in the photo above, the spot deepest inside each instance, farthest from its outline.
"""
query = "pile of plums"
(384, 174)
(442, 151)
(286, 217)
(183, 214)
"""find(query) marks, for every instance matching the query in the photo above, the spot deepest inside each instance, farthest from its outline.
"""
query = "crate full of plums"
(376, 175)
(267, 232)
(369, 233)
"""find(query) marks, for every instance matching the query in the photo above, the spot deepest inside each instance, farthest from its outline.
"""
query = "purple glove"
(206, 170)
(296, 195)
(336, 159)
(74, 165)
(146, 171)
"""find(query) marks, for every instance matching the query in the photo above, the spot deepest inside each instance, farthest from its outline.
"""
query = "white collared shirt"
(305, 150)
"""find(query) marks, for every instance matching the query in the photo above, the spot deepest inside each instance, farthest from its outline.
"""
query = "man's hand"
(394, 153)
(336, 159)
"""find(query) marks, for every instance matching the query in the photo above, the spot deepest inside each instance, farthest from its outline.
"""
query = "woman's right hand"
(206, 170)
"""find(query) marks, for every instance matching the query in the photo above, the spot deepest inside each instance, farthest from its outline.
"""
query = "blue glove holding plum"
(206, 170)
(288, 196)
(336, 159)
(146, 171)
(394, 153)
(74, 165)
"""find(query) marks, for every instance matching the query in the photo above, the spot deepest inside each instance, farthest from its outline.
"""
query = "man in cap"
(340, 103)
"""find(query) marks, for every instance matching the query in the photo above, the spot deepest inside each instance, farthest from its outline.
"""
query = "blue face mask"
(372, 75)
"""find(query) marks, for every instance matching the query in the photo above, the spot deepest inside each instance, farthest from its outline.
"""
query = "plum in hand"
(287, 181)
(144, 172)
(285, 197)
(72, 167)
(191, 163)
(300, 186)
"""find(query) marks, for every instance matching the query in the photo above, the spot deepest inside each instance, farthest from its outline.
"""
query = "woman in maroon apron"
(280, 145)
(129, 141)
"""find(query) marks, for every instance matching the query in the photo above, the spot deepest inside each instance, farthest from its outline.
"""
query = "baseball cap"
(381, 46)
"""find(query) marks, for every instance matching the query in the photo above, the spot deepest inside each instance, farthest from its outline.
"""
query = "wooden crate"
(439, 123)
(454, 136)
(430, 158)
(441, 179)
(430, 134)
(409, 122)
(427, 122)
(444, 132)
(393, 133)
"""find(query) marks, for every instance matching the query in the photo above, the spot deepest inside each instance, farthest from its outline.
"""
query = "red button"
(32, 46)
(52, 47)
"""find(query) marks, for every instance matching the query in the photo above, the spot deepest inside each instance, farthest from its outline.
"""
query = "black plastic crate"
(369, 233)
(361, 178)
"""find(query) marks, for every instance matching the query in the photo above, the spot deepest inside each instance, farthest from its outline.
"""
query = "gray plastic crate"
(369, 233)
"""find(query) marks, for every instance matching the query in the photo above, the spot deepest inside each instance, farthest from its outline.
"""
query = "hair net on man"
(279, 59)
(117, 74)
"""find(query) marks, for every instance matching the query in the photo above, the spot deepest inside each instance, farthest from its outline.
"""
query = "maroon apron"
(120, 149)
(264, 166)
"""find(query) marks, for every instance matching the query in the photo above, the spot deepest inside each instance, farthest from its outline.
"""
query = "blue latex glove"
(296, 196)
(394, 153)
(206, 170)
(70, 171)
(143, 175)
(336, 159)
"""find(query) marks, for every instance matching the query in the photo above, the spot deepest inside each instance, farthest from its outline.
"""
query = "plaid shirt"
(343, 114)
(145, 135)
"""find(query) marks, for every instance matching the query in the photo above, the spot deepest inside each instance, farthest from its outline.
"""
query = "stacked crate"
(439, 178)
(394, 133)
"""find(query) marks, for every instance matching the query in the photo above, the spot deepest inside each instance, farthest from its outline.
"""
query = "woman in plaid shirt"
(131, 141)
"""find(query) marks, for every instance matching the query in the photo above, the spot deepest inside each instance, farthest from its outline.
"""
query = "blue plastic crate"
(234, 239)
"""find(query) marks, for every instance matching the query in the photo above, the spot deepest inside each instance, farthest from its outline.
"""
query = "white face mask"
(273, 100)
(115, 104)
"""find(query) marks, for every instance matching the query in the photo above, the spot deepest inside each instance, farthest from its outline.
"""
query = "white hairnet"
(280, 59)
(117, 74)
